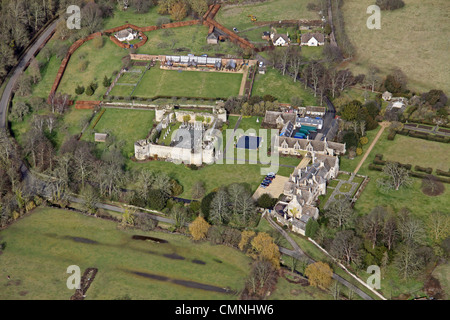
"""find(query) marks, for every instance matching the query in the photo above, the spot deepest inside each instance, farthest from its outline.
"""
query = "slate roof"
(316, 145)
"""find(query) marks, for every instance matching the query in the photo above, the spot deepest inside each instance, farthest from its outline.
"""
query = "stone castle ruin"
(196, 141)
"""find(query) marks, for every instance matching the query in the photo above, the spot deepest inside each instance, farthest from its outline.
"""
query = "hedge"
(421, 135)
(98, 118)
(378, 161)
(442, 173)
(392, 135)
(374, 167)
(426, 170)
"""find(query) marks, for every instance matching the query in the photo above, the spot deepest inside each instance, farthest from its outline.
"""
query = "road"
(4, 102)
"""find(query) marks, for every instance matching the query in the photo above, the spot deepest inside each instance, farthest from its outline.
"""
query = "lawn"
(295, 291)
(349, 165)
(127, 125)
(416, 152)
(188, 84)
(345, 187)
(283, 88)
(173, 128)
(184, 40)
(414, 39)
(214, 176)
(273, 10)
(101, 62)
(130, 16)
(408, 150)
(41, 247)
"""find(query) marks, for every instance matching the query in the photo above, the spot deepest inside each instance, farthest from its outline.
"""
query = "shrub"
(374, 167)
(89, 91)
(79, 89)
(359, 151)
(392, 135)
(390, 4)
(379, 162)
(266, 201)
(442, 173)
(107, 81)
(421, 169)
(364, 140)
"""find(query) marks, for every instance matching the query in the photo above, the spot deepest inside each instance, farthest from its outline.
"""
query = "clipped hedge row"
(98, 118)
(422, 135)
(392, 135)
(442, 173)
(421, 169)
(374, 167)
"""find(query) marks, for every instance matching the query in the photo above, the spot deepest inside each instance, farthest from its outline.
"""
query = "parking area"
(274, 189)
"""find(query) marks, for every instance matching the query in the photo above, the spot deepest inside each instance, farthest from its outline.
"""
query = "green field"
(130, 16)
(413, 38)
(188, 84)
(236, 16)
(101, 62)
(184, 40)
(127, 125)
(283, 88)
(407, 150)
(214, 176)
(39, 248)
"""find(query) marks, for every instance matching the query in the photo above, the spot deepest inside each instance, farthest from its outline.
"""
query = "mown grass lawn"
(130, 16)
(100, 63)
(39, 250)
(407, 150)
(283, 88)
(184, 40)
(188, 84)
(349, 165)
(272, 10)
(127, 125)
(214, 176)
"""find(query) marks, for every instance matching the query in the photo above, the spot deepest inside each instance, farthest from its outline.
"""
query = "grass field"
(184, 40)
(281, 87)
(130, 16)
(271, 10)
(127, 125)
(214, 176)
(101, 62)
(39, 248)
(188, 84)
(407, 150)
(414, 38)
(349, 165)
